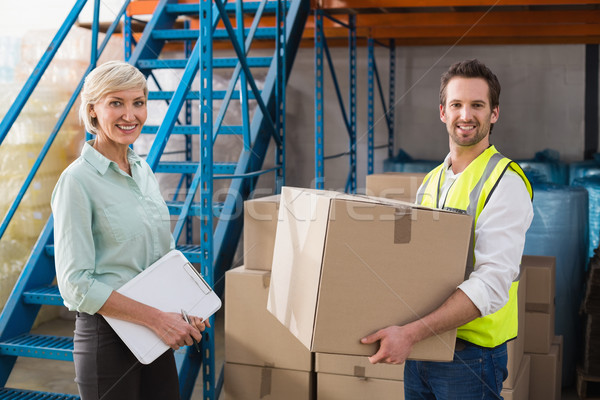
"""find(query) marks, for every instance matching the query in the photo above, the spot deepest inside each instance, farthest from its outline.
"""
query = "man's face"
(467, 113)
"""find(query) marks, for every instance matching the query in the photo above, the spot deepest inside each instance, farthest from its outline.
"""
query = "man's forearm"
(457, 310)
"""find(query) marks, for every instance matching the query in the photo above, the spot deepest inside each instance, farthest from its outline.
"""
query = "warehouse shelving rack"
(393, 23)
(214, 254)
(349, 114)
(401, 22)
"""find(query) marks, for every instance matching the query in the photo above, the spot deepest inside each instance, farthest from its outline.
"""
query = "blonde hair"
(110, 77)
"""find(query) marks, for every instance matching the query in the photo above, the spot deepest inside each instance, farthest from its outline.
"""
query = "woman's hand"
(170, 327)
(175, 332)
(199, 323)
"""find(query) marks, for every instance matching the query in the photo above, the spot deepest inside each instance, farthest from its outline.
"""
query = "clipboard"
(171, 284)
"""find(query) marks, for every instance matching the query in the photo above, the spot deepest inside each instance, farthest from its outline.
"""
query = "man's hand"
(396, 342)
(394, 347)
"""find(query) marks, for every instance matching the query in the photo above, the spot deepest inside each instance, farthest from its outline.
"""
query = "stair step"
(177, 130)
(230, 62)
(39, 346)
(219, 34)
(191, 251)
(195, 95)
(190, 167)
(194, 130)
(168, 95)
(175, 208)
(20, 394)
(43, 295)
(249, 7)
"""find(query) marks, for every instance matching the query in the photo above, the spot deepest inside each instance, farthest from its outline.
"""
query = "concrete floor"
(57, 376)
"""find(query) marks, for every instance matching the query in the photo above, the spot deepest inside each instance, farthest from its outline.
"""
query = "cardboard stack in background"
(539, 308)
(546, 373)
(520, 389)
(260, 226)
(395, 185)
(263, 360)
(541, 344)
(516, 347)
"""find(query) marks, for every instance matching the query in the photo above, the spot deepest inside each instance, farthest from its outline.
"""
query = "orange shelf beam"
(578, 22)
(361, 4)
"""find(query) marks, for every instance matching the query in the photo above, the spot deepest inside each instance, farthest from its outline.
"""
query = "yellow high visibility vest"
(469, 194)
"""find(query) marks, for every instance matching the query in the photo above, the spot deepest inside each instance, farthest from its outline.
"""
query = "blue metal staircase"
(220, 226)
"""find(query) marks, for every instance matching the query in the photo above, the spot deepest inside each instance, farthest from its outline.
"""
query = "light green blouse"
(108, 227)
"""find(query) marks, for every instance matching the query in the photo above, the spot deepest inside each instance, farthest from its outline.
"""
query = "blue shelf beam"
(387, 107)
(319, 103)
(349, 118)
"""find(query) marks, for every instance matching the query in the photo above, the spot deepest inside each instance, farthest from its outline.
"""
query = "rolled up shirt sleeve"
(74, 247)
(499, 242)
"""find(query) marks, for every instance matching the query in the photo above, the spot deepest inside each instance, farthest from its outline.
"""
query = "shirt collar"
(447, 162)
(101, 163)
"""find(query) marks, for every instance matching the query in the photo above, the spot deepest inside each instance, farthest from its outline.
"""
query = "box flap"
(297, 257)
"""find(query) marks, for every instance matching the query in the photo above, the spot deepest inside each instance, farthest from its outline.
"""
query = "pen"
(187, 319)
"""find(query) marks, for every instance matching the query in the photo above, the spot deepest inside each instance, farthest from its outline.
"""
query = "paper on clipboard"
(171, 284)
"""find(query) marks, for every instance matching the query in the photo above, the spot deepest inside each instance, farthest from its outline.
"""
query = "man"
(474, 179)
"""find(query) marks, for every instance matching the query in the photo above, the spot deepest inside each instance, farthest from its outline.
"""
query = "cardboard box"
(541, 286)
(395, 185)
(520, 391)
(344, 387)
(252, 335)
(546, 373)
(357, 366)
(346, 266)
(249, 382)
(260, 224)
(539, 332)
(516, 347)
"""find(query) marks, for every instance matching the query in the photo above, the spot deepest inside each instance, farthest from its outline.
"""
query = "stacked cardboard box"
(541, 344)
(539, 308)
(346, 377)
(520, 389)
(262, 359)
(395, 185)
(516, 347)
(546, 373)
(260, 225)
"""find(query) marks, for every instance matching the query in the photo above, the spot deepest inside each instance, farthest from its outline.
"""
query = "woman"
(110, 223)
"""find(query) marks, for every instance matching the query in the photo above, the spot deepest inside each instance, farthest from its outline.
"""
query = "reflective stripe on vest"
(469, 194)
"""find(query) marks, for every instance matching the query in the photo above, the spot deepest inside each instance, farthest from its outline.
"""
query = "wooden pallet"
(588, 386)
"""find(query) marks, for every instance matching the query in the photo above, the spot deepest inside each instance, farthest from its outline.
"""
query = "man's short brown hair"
(471, 69)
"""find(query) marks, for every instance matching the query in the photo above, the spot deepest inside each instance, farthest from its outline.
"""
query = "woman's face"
(120, 116)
